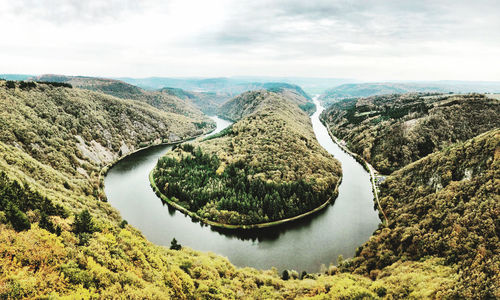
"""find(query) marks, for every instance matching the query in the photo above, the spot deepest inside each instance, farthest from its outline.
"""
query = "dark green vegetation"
(445, 205)
(252, 173)
(231, 197)
(392, 131)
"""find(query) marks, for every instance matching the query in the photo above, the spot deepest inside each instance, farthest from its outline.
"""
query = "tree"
(285, 275)
(174, 245)
(83, 223)
(17, 218)
(46, 223)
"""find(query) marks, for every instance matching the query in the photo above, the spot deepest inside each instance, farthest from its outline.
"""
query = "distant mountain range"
(355, 90)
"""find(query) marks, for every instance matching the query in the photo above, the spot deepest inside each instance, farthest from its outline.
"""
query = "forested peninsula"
(266, 167)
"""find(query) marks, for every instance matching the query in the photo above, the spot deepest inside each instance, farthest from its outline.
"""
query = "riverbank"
(195, 216)
(104, 170)
(368, 167)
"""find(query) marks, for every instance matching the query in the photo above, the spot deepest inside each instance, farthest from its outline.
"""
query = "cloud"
(349, 38)
(68, 11)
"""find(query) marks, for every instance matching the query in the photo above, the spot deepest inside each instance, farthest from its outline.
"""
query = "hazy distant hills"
(234, 85)
(355, 90)
(187, 97)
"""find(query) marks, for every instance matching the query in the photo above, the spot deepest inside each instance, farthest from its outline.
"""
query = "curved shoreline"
(104, 170)
(368, 167)
(194, 215)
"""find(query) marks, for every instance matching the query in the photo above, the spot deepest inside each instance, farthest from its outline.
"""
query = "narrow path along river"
(302, 245)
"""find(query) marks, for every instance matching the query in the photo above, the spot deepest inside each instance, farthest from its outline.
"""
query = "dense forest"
(251, 173)
(392, 131)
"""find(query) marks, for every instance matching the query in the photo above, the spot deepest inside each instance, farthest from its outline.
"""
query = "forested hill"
(445, 205)
(266, 167)
(252, 101)
(120, 89)
(68, 134)
(392, 131)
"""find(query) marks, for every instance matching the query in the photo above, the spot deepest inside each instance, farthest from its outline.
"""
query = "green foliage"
(17, 218)
(123, 223)
(285, 275)
(194, 183)
(174, 245)
(17, 199)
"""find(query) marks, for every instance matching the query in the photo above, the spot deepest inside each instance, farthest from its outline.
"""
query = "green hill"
(266, 167)
(120, 89)
(445, 205)
(392, 131)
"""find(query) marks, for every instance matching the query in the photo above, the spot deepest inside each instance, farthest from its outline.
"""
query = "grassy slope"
(394, 130)
(120, 261)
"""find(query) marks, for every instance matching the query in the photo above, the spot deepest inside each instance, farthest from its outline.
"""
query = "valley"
(74, 235)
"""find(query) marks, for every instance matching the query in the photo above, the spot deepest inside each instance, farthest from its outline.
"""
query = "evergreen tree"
(174, 245)
(17, 218)
(83, 223)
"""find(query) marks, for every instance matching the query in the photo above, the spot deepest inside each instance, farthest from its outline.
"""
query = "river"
(303, 245)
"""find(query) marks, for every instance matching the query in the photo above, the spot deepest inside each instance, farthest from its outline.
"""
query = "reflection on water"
(302, 245)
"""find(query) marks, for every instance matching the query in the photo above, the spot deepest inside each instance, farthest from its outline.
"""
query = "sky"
(360, 39)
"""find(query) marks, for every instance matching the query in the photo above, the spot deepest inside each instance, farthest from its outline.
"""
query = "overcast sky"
(366, 40)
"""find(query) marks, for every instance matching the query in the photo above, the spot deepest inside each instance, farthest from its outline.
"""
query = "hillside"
(251, 173)
(392, 131)
(445, 205)
(249, 102)
(70, 134)
(120, 89)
